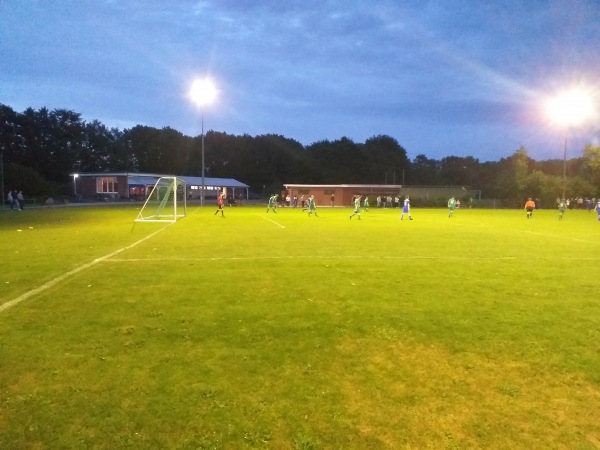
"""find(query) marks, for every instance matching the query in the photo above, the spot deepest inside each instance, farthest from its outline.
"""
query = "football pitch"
(283, 331)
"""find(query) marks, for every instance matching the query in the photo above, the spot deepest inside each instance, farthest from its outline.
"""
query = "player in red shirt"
(220, 204)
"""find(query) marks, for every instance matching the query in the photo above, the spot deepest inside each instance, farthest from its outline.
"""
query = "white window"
(107, 185)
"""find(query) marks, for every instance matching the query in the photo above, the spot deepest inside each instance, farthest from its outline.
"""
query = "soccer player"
(529, 207)
(366, 204)
(406, 209)
(598, 210)
(220, 204)
(311, 206)
(272, 203)
(356, 207)
(561, 208)
(451, 206)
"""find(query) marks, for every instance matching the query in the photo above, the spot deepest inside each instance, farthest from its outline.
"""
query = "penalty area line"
(66, 275)
(272, 221)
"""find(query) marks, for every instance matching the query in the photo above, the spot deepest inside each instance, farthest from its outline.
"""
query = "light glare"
(570, 108)
(203, 92)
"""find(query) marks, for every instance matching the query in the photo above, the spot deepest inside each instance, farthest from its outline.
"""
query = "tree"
(26, 179)
(591, 161)
(11, 143)
(384, 160)
(424, 171)
(458, 171)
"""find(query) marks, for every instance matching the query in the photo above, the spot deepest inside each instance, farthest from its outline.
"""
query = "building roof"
(145, 179)
(224, 182)
(140, 181)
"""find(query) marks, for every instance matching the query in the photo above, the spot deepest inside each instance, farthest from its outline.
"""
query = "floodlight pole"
(565, 167)
(202, 92)
(203, 184)
(570, 108)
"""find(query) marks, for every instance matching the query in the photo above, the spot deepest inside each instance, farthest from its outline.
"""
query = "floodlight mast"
(202, 93)
(569, 109)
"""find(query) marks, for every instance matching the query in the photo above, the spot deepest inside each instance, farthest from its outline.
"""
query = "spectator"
(21, 200)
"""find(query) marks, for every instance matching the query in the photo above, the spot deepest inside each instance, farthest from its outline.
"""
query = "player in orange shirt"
(529, 207)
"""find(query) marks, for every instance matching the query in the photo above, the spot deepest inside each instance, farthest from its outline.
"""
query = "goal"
(166, 202)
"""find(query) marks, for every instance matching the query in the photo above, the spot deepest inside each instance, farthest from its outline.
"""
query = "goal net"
(166, 202)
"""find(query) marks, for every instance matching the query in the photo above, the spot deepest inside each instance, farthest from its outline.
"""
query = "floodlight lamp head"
(203, 92)
(571, 107)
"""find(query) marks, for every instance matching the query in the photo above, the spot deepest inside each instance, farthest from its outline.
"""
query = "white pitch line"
(60, 278)
(266, 218)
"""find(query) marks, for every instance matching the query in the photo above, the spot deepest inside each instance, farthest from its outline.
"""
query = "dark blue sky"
(447, 77)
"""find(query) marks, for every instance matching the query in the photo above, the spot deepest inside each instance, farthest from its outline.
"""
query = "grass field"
(284, 331)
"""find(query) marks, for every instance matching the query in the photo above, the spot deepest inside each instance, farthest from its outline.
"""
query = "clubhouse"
(137, 186)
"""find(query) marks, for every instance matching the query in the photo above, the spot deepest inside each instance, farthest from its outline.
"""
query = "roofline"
(215, 180)
(118, 174)
(382, 186)
(344, 185)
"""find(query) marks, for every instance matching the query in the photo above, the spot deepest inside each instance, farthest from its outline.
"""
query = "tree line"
(40, 148)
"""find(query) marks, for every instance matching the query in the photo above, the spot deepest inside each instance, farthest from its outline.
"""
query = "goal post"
(166, 201)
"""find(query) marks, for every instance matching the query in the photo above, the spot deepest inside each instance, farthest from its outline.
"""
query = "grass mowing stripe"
(292, 257)
(60, 278)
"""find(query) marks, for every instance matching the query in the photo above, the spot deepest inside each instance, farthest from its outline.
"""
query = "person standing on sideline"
(366, 204)
(15, 197)
(21, 200)
(332, 199)
(311, 206)
(529, 207)
(356, 207)
(451, 206)
(561, 208)
(10, 200)
(272, 203)
(220, 204)
(406, 209)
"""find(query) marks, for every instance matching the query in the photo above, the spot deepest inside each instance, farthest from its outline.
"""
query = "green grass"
(288, 332)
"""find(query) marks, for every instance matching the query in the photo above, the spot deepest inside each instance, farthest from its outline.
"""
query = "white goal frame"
(163, 204)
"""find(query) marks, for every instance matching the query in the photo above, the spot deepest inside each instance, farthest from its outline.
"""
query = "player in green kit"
(366, 204)
(561, 208)
(451, 206)
(311, 206)
(272, 203)
(356, 207)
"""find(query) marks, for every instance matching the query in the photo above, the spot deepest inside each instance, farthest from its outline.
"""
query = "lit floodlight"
(570, 108)
(203, 92)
